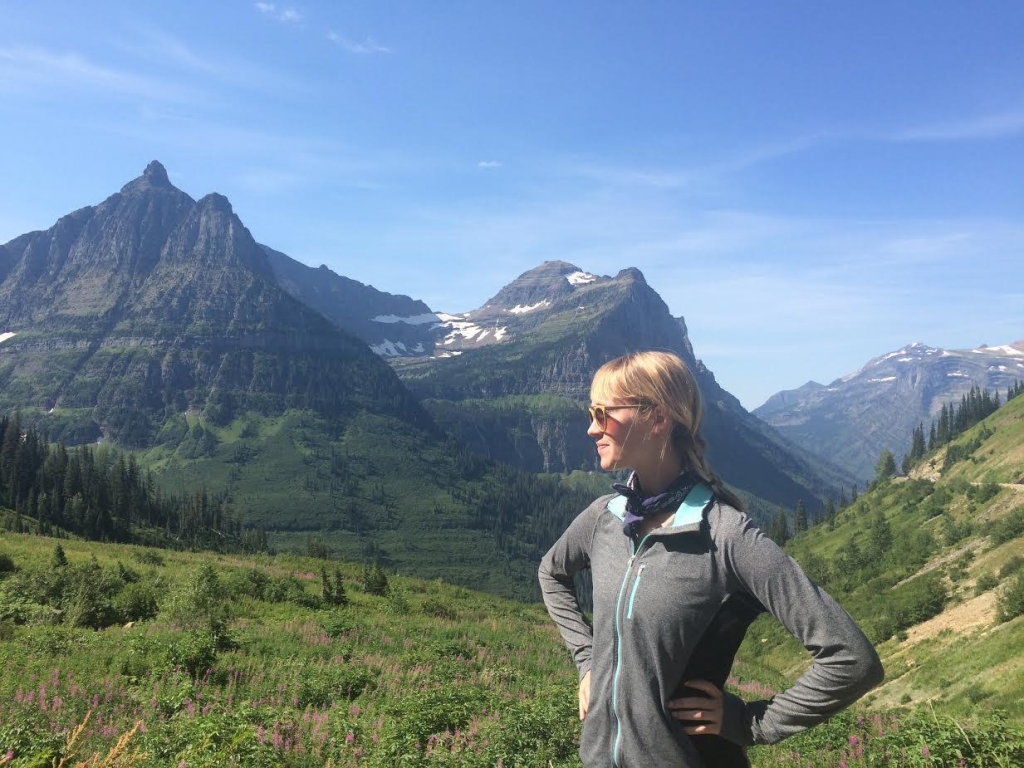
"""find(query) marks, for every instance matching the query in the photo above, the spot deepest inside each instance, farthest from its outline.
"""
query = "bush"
(201, 603)
(7, 564)
(1009, 527)
(320, 686)
(148, 557)
(1011, 566)
(1010, 602)
(985, 582)
(136, 602)
(437, 609)
(195, 652)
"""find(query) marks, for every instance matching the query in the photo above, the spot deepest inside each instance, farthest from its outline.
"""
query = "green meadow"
(200, 659)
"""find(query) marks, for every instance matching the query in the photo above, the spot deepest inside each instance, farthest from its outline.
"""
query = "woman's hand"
(584, 695)
(701, 714)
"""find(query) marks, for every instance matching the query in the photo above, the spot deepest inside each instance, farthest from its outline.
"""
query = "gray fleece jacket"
(654, 599)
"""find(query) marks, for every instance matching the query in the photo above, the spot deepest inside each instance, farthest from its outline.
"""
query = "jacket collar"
(686, 518)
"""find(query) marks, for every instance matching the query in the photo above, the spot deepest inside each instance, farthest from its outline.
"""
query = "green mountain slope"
(931, 565)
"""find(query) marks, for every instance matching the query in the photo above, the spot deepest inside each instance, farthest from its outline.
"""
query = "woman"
(673, 558)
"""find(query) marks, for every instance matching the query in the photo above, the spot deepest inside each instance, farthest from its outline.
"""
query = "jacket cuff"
(736, 721)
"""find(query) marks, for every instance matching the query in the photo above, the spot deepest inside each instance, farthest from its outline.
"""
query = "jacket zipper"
(618, 647)
(632, 593)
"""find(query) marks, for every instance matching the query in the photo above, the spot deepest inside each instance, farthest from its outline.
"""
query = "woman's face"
(624, 441)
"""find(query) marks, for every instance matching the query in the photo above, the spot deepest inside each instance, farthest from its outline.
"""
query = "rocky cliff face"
(856, 417)
(152, 304)
(532, 351)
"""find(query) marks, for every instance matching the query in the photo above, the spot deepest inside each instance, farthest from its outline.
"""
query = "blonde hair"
(660, 379)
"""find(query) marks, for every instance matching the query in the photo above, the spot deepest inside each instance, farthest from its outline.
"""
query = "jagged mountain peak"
(154, 177)
(216, 202)
(547, 282)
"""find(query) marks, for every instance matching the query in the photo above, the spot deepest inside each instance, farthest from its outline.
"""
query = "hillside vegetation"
(201, 659)
(932, 565)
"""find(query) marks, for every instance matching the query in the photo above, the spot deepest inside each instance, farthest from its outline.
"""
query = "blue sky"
(809, 184)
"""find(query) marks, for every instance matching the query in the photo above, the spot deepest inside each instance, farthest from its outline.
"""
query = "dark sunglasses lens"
(599, 415)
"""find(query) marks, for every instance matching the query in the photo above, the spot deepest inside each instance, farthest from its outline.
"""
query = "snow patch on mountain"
(423, 319)
(390, 349)
(960, 374)
(522, 308)
(500, 333)
(5, 336)
(444, 317)
(580, 278)
(1005, 349)
(451, 353)
(462, 329)
(878, 381)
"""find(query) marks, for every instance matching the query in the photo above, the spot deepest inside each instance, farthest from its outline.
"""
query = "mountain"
(853, 419)
(511, 378)
(392, 325)
(152, 304)
(156, 322)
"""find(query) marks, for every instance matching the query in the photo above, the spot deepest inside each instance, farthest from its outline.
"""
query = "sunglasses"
(599, 413)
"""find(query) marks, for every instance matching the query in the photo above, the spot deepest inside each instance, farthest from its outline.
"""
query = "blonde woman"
(678, 572)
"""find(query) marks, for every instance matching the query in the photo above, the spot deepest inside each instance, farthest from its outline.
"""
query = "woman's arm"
(569, 555)
(845, 665)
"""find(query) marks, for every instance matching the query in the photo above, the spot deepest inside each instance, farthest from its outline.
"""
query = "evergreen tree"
(885, 468)
(778, 528)
(799, 518)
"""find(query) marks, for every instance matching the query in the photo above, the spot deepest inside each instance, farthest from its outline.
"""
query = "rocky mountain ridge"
(853, 419)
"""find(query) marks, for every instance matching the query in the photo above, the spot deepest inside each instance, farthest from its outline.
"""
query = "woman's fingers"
(702, 714)
(584, 695)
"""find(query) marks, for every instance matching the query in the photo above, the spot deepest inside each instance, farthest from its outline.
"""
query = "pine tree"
(778, 528)
(799, 518)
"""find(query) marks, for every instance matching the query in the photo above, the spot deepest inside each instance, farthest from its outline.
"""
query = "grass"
(428, 674)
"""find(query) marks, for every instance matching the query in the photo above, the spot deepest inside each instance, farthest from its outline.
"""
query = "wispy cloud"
(489, 164)
(158, 47)
(32, 66)
(286, 14)
(369, 45)
(993, 126)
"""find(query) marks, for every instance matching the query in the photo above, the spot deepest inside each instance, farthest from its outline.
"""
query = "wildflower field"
(122, 655)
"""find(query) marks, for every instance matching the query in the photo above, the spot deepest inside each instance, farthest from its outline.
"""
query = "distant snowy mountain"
(854, 418)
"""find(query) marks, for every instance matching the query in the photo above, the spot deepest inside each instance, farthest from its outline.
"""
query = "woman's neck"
(658, 477)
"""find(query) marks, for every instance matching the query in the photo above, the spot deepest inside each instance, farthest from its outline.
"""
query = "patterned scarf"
(638, 506)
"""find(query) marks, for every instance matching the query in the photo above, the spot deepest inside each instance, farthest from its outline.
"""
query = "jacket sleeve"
(845, 665)
(569, 555)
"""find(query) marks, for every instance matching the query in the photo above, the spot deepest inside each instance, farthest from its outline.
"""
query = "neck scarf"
(638, 506)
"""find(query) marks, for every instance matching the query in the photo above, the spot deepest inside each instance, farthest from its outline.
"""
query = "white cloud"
(281, 14)
(489, 164)
(369, 45)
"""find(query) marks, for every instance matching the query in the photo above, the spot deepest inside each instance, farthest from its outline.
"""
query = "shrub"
(319, 686)
(201, 603)
(136, 602)
(251, 582)
(195, 652)
(1009, 527)
(7, 564)
(437, 609)
(1010, 602)
(985, 582)
(1011, 566)
(148, 557)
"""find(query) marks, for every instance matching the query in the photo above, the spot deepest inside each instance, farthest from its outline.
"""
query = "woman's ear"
(660, 422)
